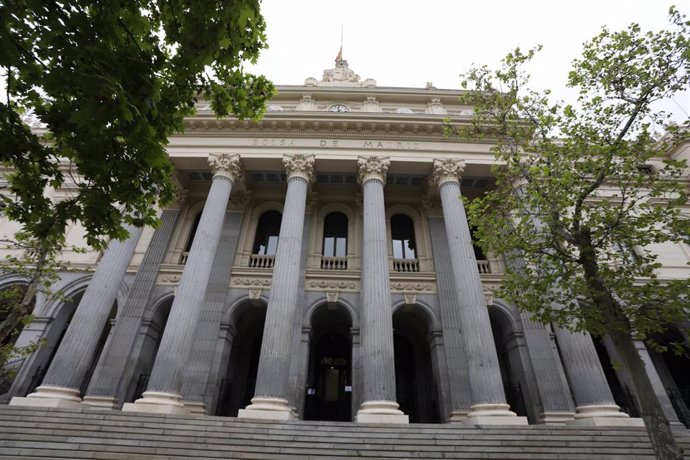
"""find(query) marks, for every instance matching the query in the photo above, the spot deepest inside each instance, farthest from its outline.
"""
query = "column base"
(604, 415)
(157, 402)
(457, 416)
(50, 396)
(267, 408)
(379, 412)
(556, 418)
(493, 414)
(101, 402)
(195, 407)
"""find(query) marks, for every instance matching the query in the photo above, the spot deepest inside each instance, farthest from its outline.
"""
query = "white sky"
(408, 43)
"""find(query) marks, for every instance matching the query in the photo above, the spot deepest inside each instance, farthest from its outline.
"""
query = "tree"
(584, 191)
(109, 82)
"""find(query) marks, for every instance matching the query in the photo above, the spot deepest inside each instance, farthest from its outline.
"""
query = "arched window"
(402, 234)
(267, 231)
(335, 235)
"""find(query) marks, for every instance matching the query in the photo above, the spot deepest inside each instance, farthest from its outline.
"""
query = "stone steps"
(50, 433)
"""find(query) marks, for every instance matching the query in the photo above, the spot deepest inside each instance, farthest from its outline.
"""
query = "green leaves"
(111, 81)
(584, 191)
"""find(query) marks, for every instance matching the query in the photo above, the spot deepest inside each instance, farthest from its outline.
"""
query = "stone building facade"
(319, 265)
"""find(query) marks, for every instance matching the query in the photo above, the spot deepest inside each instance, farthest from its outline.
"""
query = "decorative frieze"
(320, 285)
(251, 282)
(411, 287)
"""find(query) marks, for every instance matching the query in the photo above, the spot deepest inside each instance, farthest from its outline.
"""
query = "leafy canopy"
(584, 192)
(109, 81)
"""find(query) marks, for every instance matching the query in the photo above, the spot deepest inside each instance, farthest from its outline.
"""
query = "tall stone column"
(115, 368)
(162, 394)
(593, 398)
(378, 367)
(60, 386)
(271, 396)
(488, 398)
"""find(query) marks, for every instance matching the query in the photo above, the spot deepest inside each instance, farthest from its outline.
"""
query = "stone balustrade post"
(272, 393)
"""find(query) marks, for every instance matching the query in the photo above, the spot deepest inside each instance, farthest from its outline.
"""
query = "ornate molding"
(373, 167)
(312, 202)
(225, 165)
(432, 204)
(170, 279)
(447, 170)
(408, 288)
(255, 293)
(331, 285)
(251, 282)
(299, 165)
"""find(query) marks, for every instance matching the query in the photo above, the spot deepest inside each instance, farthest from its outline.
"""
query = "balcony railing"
(333, 263)
(484, 267)
(406, 265)
(261, 261)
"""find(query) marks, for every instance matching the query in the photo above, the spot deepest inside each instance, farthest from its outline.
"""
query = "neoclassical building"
(319, 265)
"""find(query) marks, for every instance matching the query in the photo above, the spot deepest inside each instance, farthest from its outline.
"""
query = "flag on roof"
(339, 57)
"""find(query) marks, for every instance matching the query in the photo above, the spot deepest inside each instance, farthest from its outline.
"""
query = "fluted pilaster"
(60, 386)
(271, 396)
(378, 367)
(488, 398)
(163, 391)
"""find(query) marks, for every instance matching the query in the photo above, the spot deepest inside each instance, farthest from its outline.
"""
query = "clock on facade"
(338, 108)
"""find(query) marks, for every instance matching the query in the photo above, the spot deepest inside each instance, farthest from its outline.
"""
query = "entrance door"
(329, 384)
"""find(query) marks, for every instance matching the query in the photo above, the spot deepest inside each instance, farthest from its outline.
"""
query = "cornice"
(346, 126)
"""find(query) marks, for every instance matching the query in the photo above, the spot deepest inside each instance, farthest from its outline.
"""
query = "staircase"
(47, 433)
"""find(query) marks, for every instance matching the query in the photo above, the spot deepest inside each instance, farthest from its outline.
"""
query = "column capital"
(226, 165)
(299, 165)
(447, 170)
(373, 167)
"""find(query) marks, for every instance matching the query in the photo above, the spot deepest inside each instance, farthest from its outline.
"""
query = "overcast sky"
(409, 43)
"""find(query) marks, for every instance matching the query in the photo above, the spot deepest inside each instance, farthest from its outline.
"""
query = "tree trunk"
(663, 441)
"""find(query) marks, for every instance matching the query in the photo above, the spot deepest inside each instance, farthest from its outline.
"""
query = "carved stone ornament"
(332, 296)
(411, 287)
(446, 170)
(255, 294)
(225, 165)
(373, 168)
(410, 298)
(239, 200)
(299, 165)
(333, 285)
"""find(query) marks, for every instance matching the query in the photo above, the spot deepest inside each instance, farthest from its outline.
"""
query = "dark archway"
(148, 351)
(329, 379)
(673, 366)
(415, 385)
(512, 375)
(622, 395)
(237, 387)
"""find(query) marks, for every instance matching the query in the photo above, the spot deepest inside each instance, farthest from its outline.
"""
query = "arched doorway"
(12, 357)
(329, 376)
(149, 348)
(512, 373)
(415, 384)
(237, 387)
